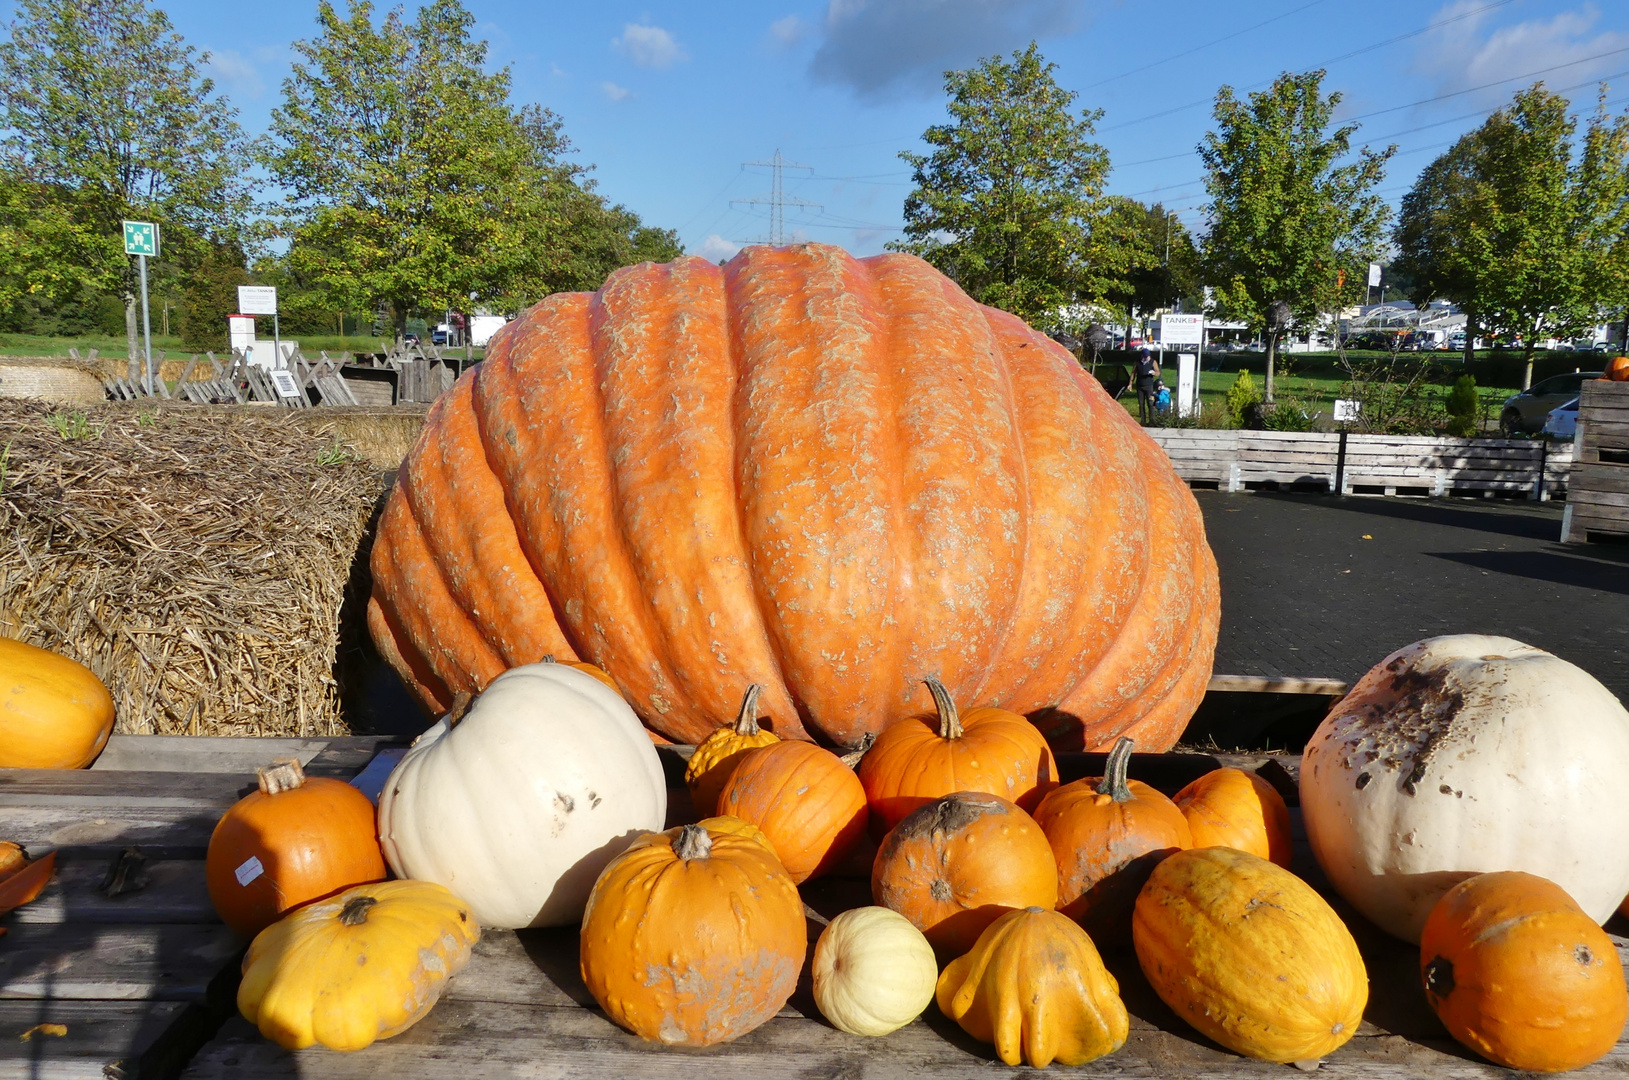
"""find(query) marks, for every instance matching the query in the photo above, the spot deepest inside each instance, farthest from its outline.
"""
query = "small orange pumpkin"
(598, 673)
(1107, 834)
(1617, 369)
(807, 802)
(693, 936)
(956, 864)
(1237, 809)
(922, 758)
(293, 841)
(718, 755)
(1519, 973)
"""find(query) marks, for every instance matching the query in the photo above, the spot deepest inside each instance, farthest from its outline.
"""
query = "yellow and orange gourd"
(717, 755)
(685, 476)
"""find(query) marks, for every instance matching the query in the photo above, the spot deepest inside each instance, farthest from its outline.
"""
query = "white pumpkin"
(1465, 754)
(518, 806)
(873, 971)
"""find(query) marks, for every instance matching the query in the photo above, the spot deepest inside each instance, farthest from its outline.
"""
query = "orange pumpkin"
(956, 864)
(1617, 369)
(1519, 973)
(807, 802)
(924, 757)
(718, 755)
(54, 712)
(295, 840)
(1237, 809)
(598, 673)
(702, 477)
(693, 936)
(1107, 834)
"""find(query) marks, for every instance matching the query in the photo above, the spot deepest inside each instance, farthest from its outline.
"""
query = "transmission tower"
(777, 200)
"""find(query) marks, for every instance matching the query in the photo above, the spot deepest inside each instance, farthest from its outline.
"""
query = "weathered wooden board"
(174, 892)
(113, 963)
(105, 1040)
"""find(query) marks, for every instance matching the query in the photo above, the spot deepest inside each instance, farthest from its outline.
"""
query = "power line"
(1206, 45)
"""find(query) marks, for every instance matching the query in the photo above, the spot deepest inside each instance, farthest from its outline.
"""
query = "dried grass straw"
(197, 559)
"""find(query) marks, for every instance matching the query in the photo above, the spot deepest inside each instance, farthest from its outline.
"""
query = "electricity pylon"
(777, 200)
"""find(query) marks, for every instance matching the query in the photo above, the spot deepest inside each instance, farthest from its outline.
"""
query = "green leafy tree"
(1161, 264)
(1602, 195)
(1437, 251)
(1006, 201)
(1462, 407)
(1287, 221)
(107, 117)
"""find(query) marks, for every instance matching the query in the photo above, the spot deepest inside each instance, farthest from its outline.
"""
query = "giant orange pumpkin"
(923, 758)
(820, 474)
(1617, 369)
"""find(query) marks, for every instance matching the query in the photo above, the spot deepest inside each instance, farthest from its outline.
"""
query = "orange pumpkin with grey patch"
(693, 936)
(821, 474)
(807, 802)
(957, 864)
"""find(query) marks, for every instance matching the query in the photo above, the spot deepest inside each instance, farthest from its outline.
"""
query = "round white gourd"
(1466, 754)
(519, 806)
(874, 972)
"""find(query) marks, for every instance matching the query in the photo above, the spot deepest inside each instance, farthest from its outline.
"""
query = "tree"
(1161, 264)
(1527, 241)
(1287, 222)
(1006, 201)
(412, 181)
(107, 117)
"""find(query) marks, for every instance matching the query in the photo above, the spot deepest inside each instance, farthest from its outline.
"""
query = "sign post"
(1185, 330)
(141, 240)
(1346, 414)
(262, 300)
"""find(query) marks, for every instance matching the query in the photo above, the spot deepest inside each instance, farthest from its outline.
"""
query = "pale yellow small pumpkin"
(366, 964)
(873, 971)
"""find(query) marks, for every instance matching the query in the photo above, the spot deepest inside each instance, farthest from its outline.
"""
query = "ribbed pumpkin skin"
(1249, 955)
(824, 475)
(1518, 972)
(807, 802)
(54, 712)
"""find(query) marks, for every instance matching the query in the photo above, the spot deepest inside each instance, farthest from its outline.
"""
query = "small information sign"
(283, 380)
(1182, 330)
(257, 300)
(1346, 411)
(141, 238)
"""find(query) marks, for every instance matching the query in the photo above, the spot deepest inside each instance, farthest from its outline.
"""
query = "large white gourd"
(1466, 754)
(518, 806)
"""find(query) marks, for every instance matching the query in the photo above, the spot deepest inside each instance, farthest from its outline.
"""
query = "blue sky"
(667, 100)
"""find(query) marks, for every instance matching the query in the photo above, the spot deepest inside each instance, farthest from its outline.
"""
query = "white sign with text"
(257, 300)
(1182, 330)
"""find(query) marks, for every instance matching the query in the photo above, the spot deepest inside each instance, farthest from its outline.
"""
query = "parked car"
(1562, 423)
(1526, 412)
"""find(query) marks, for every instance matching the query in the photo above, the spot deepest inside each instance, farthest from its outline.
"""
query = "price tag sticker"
(250, 870)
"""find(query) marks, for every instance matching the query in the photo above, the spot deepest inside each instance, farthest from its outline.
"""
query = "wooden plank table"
(144, 981)
(140, 980)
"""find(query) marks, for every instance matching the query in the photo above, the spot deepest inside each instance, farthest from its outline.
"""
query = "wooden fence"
(1598, 503)
(1367, 464)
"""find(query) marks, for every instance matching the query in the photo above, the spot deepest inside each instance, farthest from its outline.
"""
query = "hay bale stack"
(46, 378)
(196, 558)
(381, 436)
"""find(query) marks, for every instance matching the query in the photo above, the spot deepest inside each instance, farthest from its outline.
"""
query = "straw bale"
(381, 436)
(53, 379)
(207, 563)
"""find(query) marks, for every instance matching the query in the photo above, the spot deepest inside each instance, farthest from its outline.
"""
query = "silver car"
(1525, 413)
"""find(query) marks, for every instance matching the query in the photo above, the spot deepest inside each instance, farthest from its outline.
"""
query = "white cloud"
(238, 75)
(557, 71)
(649, 46)
(615, 92)
(788, 31)
(876, 47)
(1468, 52)
(715, 247)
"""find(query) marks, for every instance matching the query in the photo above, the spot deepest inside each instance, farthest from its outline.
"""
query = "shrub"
(1241, 396)
(1462, 407)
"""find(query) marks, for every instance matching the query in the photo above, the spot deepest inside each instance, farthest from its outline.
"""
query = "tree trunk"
(1470, 341)
(131, 325)
(1272, 349)
(1527, 366)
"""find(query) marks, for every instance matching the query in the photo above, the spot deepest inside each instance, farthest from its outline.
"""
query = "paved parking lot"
(1314, 585)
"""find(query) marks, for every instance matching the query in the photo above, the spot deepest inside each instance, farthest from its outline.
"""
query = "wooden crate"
(1598, 496)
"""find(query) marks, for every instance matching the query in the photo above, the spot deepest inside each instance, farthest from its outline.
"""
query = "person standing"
(1147, 377)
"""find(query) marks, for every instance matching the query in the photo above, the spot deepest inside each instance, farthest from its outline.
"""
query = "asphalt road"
(1314, 585)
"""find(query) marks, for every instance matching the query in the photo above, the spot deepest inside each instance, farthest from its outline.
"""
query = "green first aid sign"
(141, 238)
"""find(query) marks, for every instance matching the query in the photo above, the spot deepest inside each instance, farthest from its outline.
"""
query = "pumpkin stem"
(355, 911)
(460, 706)
(1114, 776)
(746, 721)
(950, 724)
(284, 774)
(548, 658)
(693, 843)
(853, 757)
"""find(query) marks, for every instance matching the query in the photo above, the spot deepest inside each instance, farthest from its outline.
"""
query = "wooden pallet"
(145, 983)
(1598, 501)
